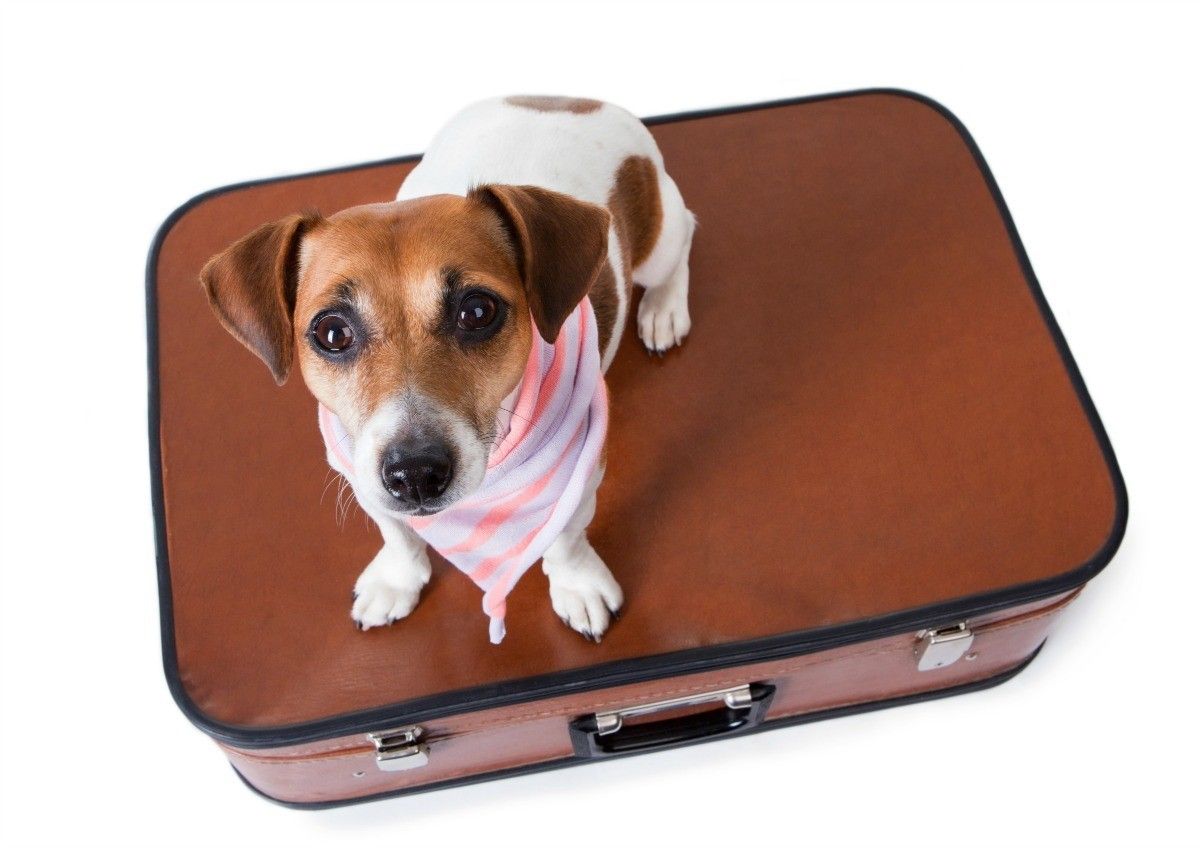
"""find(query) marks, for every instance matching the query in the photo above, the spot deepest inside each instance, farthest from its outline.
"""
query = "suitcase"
(871, 476)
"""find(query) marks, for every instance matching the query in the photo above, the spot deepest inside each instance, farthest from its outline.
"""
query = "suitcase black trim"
(537, 768)
(606, 675)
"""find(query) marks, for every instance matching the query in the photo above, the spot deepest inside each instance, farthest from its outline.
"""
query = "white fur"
(582, 590)
(576, 154)
(391, 585)
(412, 413)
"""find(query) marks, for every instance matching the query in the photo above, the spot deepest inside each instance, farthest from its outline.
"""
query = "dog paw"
(585, 595)
(388, 589)
(663, 318)
(377, 604)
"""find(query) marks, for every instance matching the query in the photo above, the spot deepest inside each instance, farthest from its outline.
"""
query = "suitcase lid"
(875, 425)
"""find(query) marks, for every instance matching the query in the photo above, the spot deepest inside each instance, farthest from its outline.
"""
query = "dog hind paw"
(663, 319)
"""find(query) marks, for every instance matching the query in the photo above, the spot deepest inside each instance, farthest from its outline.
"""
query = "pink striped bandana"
(536, 474)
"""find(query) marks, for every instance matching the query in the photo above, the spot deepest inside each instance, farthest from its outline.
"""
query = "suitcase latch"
(400, 749)
(943, 646)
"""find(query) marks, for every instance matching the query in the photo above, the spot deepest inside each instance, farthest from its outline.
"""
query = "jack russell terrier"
(456, 340)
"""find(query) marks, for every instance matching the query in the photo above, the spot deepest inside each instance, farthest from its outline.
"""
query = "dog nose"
(414, 475)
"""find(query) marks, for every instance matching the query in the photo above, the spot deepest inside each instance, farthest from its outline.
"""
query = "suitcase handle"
(607, 734)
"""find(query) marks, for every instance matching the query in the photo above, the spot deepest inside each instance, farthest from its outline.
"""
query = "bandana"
(536, 474)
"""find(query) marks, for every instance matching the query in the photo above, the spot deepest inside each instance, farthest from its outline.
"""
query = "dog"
(429, 330)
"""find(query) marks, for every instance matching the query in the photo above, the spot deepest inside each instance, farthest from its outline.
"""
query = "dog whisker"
(343, 503)
(530, 421)
(349, 503)
(333, 475)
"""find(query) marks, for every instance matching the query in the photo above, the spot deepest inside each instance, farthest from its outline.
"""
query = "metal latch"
(400, 749)
(942, 646)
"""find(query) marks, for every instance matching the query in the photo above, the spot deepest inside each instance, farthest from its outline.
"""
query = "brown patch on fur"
(603, 295)
(540, 103)
(560, 245)
(393, 260)
(388, 269)
(626, 267)
(251, 286)
(636, 208)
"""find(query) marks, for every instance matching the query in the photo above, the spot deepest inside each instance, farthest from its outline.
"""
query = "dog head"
(411, 321)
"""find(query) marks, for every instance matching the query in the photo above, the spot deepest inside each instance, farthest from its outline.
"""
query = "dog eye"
(334, 334)
(476, 312)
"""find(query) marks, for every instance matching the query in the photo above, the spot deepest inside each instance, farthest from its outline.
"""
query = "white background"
(114, 114)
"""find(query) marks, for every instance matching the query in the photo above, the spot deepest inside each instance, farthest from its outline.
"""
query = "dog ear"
(251, 286)
(561, 243)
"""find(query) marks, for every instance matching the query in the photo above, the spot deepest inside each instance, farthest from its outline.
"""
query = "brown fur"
(540, 103)
(396, 255)
(561, 244)
(636, 208)
(538, 250)
(603, 295)
(252, 288)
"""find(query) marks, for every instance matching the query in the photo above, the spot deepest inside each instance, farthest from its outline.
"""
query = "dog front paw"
(377, 604)
(387, 591)
(584, 593)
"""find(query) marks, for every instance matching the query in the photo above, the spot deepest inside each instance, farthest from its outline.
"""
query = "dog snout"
(416, 474)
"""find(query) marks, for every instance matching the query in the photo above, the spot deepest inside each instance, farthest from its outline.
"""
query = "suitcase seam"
(991, 628)
(360, 747)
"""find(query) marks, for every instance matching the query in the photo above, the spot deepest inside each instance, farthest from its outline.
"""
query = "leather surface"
(477, 743)
(869, 416)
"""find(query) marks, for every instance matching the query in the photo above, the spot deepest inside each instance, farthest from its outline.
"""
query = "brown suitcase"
(871, 476)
